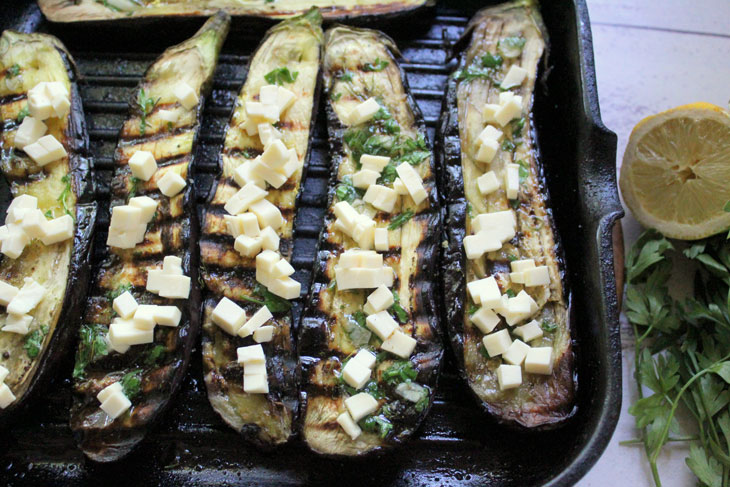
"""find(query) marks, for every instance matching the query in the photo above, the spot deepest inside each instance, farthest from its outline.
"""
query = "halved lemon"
(675, 175)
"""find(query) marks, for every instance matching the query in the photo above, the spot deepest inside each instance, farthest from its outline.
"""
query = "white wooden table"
(652, 55)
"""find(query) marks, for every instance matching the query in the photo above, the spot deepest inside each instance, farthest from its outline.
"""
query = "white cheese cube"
(485, 319)
(282, 269)
(269, 238)
(514, 77)
(7, 293)
(123, 239)
(285, 287)
(117, 347)
(382, 324)
(349, 425)
(539, 276)
(360, 258)
(19, 324)
(154, 280)
(363, 112)
(45, 150)
(509, 111)
(175, 287)
(3, 373)
(27, 297)
(368, 309)
(292, 165)
(34, 224)
(347, 214)
(364, 178)
(185, 95)
(125, 305)
(144, 317)
(509, 376)
(259, 318)
(516, 353)
(262, 113)
(245, 197)
(252, 354)
(374, 163)
(21, 202)
(6, 396)
(255, 384)
(114, 388)
(412, 182)
(355, 374)
(381, 197)
(497, 343)
(399, 187)
(251, 124)
(522, 265)
(247, 246)
(476, 245)
(14, 243)
(171, 183)
(228, 316)
(530, 331)
(263, 334)
(518, 306)
(147, 205)
(268, 174)
(381, 299)
(364, 358)
(486, 288)
(268, 94)
(268, 134)
(125, 332)
(244, 224)
(30, 130)
(501, 222)
(172, 264)
(55, 89)
(505, 97)
(58, 230)
(490, 111)
(399, 344)
(40, 105)
(266, 261)
(512, 180)
(361, 405)
(171, 116)
(490, 133)
(362, 278)
(167, 315)
(488, 183)
(116, 404)
(275, 155)
(143, 165)
(125, 217)
(267, 213)
(244, 174)
(364, 232)
(539, 360)
(487, 150)
(254, 368)
(61, 106)
(380, 239)
(284, 99)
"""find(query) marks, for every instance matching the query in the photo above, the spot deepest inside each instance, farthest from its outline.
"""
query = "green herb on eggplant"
(146, 105)
(377, 65)
(34, 341)
(281, 76)
(400, 219)
(92, 346)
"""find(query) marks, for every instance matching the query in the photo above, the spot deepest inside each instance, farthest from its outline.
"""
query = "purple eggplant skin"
(92, 12)
(320, 356)
(546, 403)
(266, 420)
(160, 366)
(55, 346)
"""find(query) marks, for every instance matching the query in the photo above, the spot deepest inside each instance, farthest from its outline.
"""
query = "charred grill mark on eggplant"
(541, 400)
(265, 419)
(324, 344)
(173, 231)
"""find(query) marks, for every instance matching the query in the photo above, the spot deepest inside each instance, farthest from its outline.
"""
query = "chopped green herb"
(512, 258)
(515, 203)
(356, 329)
(473, 309)
(726, 208)
(512, 46)
(377, 139)
(470, 210)
(345, 76)
(146, 104)
(13, 71)
(24, 112)
(422, 403)
(400, 220)
(65, 194)
(34, 341)
(510, 293)
(49, 214)
(400, 371)
(115, 293)
(153, 355)
(400, 313)
(482, 351)
(359, 318)
(108, 5)
(131, 383)
(332, 284)
(92, 345)
(490, 60)
(280, 76)
(336, 96)
(275, 303)
(507, 145)
(169, 126)
(249, 153)
(517, 126)
(345, 191)
(376, 424)
(372, 388)
(388, 174)
(548, 326)
(473, 72)
(523, 170)
(378, 65)
(133, 186)
(248, 298)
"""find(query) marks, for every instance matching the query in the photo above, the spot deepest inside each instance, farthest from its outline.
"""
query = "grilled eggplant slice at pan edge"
(502, 37)
(61, 187)
(362, 10)
(359, 64)
(289, 55)
(149, 373)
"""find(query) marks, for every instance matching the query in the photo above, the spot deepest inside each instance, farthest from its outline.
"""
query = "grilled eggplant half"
(61, 187)
(503, 37)
(289, 55)
(360, 64)
(149, 373)
(85, 10)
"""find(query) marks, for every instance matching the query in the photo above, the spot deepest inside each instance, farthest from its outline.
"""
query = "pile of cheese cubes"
(20, 302)
(274, 272)
(113, 400)
(128, 224)
(384, 326)
(169, 282)
(253, 360)
(25, 222)
(144, 166)
(362, 269)
(136, 323)
(6, 395)
(491, 230)
(45, 100)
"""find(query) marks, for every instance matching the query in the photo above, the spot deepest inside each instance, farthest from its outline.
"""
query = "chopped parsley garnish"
(382, 137)
(510, 293)
(400, 220)
(398, 310)
(490, 60)
(515, 203)
(378, 65)
(400, 371)
(512, 46)
(345, 76)
(133, 186)
(423, 402)
(92, 345)
(245, 297)
(548, 326)
(65, 194)
(115, 293)
(153, 355)
(34, 341)
(13, 71)
(146, 104)
(336, 96)
(24, 112)
(473, 309)
(345, 191)
(131, 383)
(275, 303)
(280, 76)
(517, 126)
(388, 174)
(376, 424)
(49, 214)
(470, 210)
(473, 72)
(523, 170)
(507, 145)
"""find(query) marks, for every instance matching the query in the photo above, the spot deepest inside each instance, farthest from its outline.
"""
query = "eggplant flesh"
(513, 33)
(360, 64)
(265, 419)
(86, 10)
(150, 373)
(60, 187)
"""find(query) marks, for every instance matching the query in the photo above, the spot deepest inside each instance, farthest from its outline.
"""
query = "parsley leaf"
(275, 303)
(24, 112)
(400, 371)
(345, 191)
(92, 345)
(131, 383)
(377, 65)
(548, 325)
(492, 60)
(281, 76)
(146, 105)
(398, 310)
(376, 424)
(13, 71)
(63, 197)
(400, 220)
(34, 341)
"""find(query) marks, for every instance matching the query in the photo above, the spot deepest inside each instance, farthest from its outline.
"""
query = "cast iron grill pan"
(457, 444)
